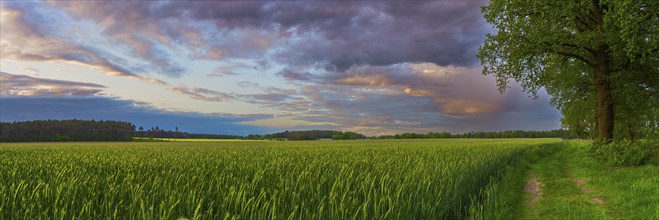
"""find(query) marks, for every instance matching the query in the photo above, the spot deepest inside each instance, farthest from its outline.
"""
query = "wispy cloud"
(24, 38)
(202, 94)
(230, 70)
(288, 100)
(22, 85)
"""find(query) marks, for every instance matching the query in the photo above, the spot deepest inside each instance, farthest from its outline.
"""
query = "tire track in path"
(580, 182)
(533, 187)
(554, 190)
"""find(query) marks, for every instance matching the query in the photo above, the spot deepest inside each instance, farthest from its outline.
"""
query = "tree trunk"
(602, 70)
(603, 98)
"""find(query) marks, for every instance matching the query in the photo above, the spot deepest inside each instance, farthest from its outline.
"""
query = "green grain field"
(370, 179)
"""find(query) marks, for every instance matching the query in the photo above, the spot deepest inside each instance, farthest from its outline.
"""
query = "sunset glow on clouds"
(257, 67)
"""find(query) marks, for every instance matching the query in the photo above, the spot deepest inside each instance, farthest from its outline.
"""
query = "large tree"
(599, 52)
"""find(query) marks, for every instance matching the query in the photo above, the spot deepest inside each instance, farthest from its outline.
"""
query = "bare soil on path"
(554, 191)
(581, 184)
(533, 187)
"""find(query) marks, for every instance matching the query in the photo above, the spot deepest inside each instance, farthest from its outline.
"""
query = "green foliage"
(59, 137)
(623, 152)
(627, 192)
(373, 179)
(347, 136)
(572, 48)
(579, 116)
(65, 130)
(499, 198)
(307, 135)
(560, 133)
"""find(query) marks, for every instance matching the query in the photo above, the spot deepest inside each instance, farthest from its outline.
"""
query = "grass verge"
(575, 186)
(500, 199)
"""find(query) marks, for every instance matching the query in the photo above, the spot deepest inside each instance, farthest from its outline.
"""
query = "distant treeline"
(157, 132)
(560, 133)
(91, 130)
(307, 135)
(338, 135)
(66, 130)
(212, 136)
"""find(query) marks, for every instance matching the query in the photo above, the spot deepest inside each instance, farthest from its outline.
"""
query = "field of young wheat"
(371, 179)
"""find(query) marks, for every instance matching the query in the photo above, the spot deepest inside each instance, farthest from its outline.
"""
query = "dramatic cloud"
(378, 111)
(21, 85)
(452, 90)
(339, 36)
(335, 34)
(419, 97)
(373, 67)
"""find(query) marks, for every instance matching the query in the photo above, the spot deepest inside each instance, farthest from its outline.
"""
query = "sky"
(259, 67)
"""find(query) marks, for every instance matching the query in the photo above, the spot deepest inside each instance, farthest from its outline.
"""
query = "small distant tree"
(59, 137)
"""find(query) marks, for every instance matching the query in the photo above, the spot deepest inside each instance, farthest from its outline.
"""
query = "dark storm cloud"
(101, 108)
(22, 85)
(335, 34)
(341, 35)
(331, 35)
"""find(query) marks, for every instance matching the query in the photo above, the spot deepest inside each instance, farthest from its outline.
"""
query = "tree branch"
(572, 55)
(591, 50)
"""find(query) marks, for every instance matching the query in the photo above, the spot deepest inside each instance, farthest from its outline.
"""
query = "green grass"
(367, 179)
(370, 179)
(628, 193)
(501, 198)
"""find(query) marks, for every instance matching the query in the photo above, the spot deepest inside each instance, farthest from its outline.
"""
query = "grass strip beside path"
(574, 186)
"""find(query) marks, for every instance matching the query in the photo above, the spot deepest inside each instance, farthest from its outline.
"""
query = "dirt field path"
(553, 191)
(581, 184)
(533, 187)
